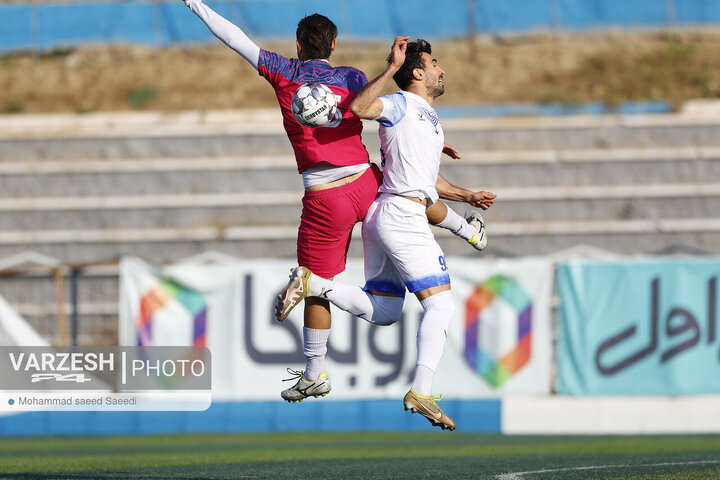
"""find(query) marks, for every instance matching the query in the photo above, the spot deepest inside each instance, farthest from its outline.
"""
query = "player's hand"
(397, 52)
(482, 199)
(451, 151)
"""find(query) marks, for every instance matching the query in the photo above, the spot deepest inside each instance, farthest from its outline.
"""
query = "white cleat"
(294, 292)
(479, 241)
(305, 388)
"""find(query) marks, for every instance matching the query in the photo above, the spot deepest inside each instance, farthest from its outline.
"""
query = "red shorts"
(327, 221)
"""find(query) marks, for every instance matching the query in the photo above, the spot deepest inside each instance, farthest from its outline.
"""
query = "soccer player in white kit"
(340, 183)
(400, 249)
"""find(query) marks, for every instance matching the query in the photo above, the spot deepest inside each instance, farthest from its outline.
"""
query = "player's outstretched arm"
(448, 191)
(226, 31)
(367, 104)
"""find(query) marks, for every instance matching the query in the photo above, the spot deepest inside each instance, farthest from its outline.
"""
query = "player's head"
(420, 69)
(316, 37)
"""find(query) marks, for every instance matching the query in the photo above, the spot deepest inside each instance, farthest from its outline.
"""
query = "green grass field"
(361, 455)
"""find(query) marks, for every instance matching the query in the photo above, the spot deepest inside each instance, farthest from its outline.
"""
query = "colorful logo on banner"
(497, 288)
(160, 296)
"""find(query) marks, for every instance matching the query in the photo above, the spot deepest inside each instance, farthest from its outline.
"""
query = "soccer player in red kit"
(340, 182)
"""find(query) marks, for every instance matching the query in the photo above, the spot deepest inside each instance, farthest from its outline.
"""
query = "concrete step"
(151, 218)
(554, 203)
(189, 134)
(486, 170)
(517, 238)
(96, 184)
(500, 245)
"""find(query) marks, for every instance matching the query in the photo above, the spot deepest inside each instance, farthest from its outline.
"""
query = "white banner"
(14, 330)
(499, 341)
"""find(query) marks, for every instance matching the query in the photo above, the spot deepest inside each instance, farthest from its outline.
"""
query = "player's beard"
(435, 88)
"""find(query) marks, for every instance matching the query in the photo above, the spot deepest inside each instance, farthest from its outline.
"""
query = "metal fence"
(66, 304)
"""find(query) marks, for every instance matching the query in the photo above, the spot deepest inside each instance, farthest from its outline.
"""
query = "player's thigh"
(325, 230)
(365, 190)
(380, 272)
(406, 237)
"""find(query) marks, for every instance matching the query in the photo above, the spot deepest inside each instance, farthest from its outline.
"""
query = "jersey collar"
(415, 96)
(318, 59)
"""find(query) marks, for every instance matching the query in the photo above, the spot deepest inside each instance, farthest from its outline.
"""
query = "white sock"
(422, 381)
(439, 311)
(319, 286)
(377, 309)
(314, 348)
(457, 225)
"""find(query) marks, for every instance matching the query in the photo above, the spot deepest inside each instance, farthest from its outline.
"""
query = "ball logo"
(161, 296)
(498, 321)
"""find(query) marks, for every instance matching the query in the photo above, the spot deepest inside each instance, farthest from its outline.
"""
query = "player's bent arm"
(226, 31)
(366, 104)
(448, 191)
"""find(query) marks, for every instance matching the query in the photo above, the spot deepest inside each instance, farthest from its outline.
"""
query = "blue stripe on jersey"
(427, 282)
(380, 285)
(399, 109)
(312, 71)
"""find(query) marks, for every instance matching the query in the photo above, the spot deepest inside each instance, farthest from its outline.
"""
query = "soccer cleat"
(425, 405)
(305, 388)
(295, 291)
(479, 241)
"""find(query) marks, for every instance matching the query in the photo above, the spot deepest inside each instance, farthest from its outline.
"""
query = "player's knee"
(386, 310)
(440, 302)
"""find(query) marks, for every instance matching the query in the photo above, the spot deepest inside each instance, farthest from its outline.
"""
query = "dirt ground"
(609, 67)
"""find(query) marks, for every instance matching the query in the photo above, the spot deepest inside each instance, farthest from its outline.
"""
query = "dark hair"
(413, 60)
(316, 33)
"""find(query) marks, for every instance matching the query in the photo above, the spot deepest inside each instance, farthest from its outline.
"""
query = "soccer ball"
(313, 105)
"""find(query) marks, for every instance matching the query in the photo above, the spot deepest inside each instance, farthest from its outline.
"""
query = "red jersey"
(339, 145)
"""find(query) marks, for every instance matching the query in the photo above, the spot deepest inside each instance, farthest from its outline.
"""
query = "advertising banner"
(499, 341)
(643, 327)
(15, 330)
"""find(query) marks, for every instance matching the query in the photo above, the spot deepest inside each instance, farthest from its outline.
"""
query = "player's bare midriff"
(336, 183)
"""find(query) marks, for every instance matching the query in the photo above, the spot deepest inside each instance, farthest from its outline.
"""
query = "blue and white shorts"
(400, 249)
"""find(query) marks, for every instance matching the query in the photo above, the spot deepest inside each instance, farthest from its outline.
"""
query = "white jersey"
(411, 143)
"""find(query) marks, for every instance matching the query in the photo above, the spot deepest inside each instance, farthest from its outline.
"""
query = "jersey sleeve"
(228, 33)
(394, 109)
(273, 66)
(357, 81)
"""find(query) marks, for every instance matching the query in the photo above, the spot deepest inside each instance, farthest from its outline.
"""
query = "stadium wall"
(51, 25)
(631, 411)
(246, 417)
(544, 415)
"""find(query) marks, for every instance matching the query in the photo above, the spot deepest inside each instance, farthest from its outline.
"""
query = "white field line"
(521, 475)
